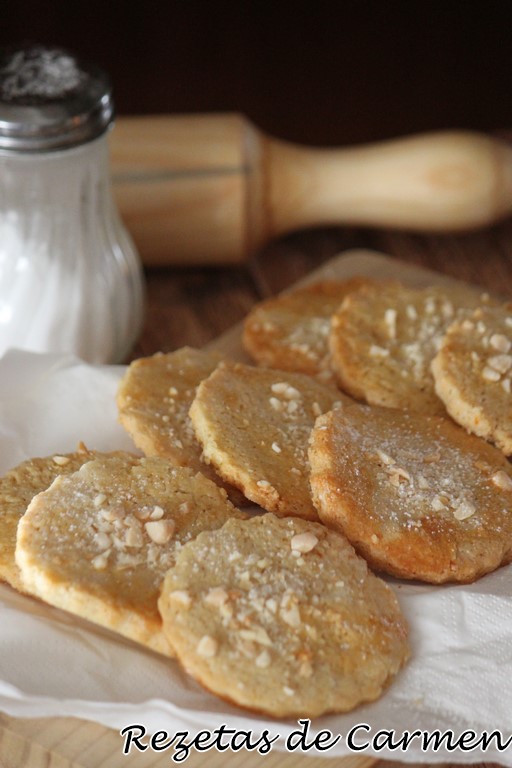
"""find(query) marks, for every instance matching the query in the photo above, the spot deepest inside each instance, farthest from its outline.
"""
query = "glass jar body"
(70, 277)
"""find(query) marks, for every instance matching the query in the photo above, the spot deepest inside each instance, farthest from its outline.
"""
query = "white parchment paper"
(458, 681)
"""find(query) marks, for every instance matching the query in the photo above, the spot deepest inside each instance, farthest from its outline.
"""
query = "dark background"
(323, 73)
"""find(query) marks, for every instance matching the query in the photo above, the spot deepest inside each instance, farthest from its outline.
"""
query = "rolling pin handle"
(211, 189)
(435, 182)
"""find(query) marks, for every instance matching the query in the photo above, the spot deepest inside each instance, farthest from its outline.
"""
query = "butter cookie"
(383, 338)
(281, 616)
(153, 401)
(98, 542)
(416, 495)
(254, 425)
(473, 374)
(291, 331)
(17, 489)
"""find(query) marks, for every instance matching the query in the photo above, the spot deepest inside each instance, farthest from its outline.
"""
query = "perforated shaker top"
(50, 100)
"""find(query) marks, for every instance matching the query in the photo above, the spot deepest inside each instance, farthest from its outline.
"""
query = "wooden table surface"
(193, 306)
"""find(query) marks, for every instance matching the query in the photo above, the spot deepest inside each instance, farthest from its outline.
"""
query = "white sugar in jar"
(70, 277)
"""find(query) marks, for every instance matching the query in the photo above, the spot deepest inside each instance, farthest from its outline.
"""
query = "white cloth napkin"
(457, 683)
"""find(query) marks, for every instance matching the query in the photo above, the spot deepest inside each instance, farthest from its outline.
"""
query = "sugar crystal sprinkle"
(40, 73)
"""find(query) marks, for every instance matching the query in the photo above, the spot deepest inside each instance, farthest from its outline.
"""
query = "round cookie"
(98, 542)
(473, 374)
(17, 489)
(416, 495)
(291, 331)
(383, 338)
(254, 425)
(153, 400)
(280, 616)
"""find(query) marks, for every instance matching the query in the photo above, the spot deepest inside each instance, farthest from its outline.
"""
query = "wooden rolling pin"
(210, 189)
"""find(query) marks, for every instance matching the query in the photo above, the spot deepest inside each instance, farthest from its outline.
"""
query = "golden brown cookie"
(153, 400)
(98, 542)
(282, 617)
(383, 338)
(17, 488)
(291, 331)
(416, 495)
(254, 425)
(473, 373)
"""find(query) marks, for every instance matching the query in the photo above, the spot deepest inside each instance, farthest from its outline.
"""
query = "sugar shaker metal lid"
(50, 100)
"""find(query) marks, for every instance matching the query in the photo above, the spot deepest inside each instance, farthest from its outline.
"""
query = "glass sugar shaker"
(70, 277)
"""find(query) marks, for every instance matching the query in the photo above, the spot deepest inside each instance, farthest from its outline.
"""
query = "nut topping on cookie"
(181, 596)
(263, 660)
(302, 639)
(254, 424)
(303, 542)
(490, 374)
(291, 331)
(502, 480)
(384, 336)
(500, 342)
(216, 596)
(473, 372)
(160, 531)
(17, 489)
(207, 647)
(434, 521)
(61, 460)
(464, 510)
(98, 542)
(153, 401)
(501, 363)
